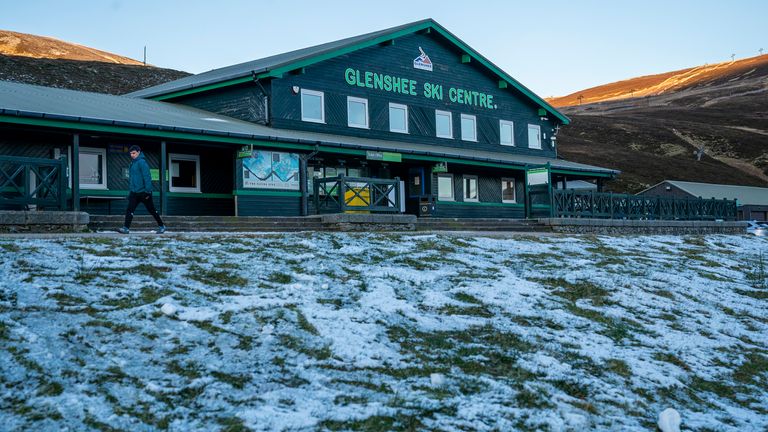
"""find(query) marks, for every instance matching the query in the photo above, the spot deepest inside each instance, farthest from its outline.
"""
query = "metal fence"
(356, 194)
(572, 203)
(26, 182)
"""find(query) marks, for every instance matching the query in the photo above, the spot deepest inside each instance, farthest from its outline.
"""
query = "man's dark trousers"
(134, 198)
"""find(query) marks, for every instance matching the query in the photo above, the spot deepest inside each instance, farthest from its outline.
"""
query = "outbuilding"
(751, 201)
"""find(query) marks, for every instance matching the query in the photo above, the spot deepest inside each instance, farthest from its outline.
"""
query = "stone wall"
(652, 227)
(369, 222)
(42, 221)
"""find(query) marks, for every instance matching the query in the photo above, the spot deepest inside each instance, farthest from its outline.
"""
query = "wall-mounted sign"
(271, 170)
(441, 167)
(538, 176)
(422, 61)
(118, 148)
(383, 156)
(407, 86)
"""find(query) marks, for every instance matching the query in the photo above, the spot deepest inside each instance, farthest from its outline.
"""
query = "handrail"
(342, 194)
(589, 204)
(50, 182)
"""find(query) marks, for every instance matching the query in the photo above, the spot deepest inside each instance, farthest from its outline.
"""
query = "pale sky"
(552, 47)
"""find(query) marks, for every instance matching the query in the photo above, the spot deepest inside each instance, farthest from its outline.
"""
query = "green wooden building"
(411, 107)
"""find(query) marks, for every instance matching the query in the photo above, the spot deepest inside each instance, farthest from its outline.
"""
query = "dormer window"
(468, 127)
(443, 124)
(506, 133)
(312, 106)
(357, 112)
(534, 136)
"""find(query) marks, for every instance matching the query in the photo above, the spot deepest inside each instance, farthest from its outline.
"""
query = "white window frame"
(514, 191)
(97, 151)
(450, 124)
(465, 190)
(349, 120)
(474, 127)
(322, 106)
(511, 125)
(442, 198)
(184, 157)
(538, 129)
(405, 110)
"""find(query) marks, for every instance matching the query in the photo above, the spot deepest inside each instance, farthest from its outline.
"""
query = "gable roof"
(746, 195)
(276, 65)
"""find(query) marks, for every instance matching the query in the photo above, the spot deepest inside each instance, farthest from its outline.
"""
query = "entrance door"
(415, 189)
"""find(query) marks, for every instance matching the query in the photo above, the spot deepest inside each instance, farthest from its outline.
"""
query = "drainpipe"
(303, 159)
(76, 172)
(163, 180)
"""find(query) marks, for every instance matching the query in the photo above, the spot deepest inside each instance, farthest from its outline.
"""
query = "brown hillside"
(722, 111)
(93, 76)
(668, 83)
(27, 45)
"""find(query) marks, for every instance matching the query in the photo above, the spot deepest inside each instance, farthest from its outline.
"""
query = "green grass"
(619, 367)
(234, 380)
(216, 277)
(754, 366)
(280, 278)
(232, 424)
(579, 290)
(115, 327)
(155, 272)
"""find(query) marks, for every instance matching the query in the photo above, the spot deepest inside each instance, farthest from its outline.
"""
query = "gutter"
(303, 141)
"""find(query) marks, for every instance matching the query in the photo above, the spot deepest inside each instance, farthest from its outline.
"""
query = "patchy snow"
(323, 331)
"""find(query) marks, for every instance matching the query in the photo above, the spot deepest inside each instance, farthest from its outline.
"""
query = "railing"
(344, 194)
(32, 181)
(570, 203)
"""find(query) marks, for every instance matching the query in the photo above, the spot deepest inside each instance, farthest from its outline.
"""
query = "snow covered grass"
(378, 332)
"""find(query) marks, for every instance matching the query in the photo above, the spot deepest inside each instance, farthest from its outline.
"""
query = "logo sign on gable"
(422, 62)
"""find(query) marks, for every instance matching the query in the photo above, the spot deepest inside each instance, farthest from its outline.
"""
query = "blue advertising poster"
(271, 170)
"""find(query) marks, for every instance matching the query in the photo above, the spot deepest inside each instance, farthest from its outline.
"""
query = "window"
(534, 136)
(398, 118)
(445, 187)
(93, 168)
(508, 190)
(312, 106)
(357, 112)
(506, 133)
(468, 127)
(185, 173)
(470, 188)
(443, 124)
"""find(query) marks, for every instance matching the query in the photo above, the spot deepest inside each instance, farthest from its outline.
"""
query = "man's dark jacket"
(139, 179)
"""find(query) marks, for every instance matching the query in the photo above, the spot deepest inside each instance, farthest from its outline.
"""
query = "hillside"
(375, 332)
(45, 61)
(720, 109)
(28, 45)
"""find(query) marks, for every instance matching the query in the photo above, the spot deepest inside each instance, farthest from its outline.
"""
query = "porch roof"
(69, 109)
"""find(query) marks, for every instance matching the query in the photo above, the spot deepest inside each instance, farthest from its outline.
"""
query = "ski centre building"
(406, 120)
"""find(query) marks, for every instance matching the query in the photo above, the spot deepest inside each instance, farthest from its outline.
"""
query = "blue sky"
(554, 47)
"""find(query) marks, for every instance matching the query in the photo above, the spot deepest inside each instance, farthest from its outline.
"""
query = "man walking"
(140, 184)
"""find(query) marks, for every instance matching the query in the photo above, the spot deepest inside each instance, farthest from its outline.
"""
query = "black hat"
(134, 148)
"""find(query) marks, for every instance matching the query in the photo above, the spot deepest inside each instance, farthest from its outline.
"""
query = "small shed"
(752, 201)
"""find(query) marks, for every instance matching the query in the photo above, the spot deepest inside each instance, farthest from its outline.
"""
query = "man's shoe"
(123, 230)
(160, 229)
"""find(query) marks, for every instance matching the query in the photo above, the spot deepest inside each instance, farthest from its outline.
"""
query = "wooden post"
(163, 179)
(303, 185)
(76, 172)
(62, 183)
(342, 193)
